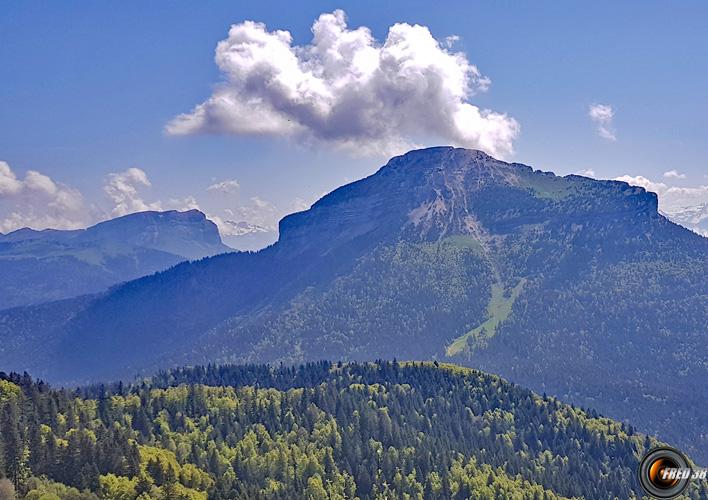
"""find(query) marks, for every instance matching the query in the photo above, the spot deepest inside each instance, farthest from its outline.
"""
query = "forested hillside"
(321, 430)
(567, 285)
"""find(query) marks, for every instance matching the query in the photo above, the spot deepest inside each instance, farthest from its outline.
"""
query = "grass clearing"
(498, 310)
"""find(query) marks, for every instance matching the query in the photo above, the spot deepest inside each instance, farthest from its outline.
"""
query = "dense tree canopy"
(321, 430)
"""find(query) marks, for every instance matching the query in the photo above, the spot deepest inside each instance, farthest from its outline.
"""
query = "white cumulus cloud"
(182, 204)
(9, 183)
(603, 115)
(348, 90)
(588, 172)
(674, 174)
(37, 201)
(669, 196)
(227, 186)
(122, 189)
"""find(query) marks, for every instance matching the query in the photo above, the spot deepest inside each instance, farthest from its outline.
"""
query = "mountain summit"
(444, 253)
(433, 193)
(38, 266)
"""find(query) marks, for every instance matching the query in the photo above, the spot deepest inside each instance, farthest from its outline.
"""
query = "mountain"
(246, 236)
(693, 217)
(568, 285)
(40, 266)
(321, 430)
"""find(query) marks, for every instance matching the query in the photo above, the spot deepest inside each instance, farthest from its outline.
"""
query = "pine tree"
(13, 447)
(3, 473)
(144, 484)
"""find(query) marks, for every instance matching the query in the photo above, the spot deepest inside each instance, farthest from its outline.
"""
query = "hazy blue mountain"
(568, 285)
(40, 266)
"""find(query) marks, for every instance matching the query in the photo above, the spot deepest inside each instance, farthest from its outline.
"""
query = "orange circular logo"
(664, 473)
(658, 473)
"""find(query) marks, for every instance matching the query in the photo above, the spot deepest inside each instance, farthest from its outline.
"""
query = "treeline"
(321, 430)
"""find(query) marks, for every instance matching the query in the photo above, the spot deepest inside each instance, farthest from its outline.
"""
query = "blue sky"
(88, 88)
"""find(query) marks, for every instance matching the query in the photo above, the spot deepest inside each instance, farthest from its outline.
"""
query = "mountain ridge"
(404, 262)
(50, 264)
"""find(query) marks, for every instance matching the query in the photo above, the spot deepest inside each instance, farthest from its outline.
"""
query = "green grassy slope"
(498, 310)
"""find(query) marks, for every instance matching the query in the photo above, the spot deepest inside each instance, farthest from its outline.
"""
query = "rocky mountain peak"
(441, 191)
(189, 233)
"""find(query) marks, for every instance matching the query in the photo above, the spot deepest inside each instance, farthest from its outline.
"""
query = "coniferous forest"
(320, 430)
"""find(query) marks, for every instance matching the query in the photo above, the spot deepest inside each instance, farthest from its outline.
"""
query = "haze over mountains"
(40, 266)
(247, 236)
(694, 217)
(568, 285)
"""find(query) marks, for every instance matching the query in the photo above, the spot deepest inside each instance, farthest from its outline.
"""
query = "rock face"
(39, 266)
(188, 234)
(568, 285)
(433, 193)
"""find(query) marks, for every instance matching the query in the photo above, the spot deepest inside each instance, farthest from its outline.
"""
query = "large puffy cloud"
(687, 206)
(37, 201)
(348, 90)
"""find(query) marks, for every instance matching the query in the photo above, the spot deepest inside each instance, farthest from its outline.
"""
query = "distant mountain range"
(246, 236)
(568, 285)
(40, 266)
(693, 217)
